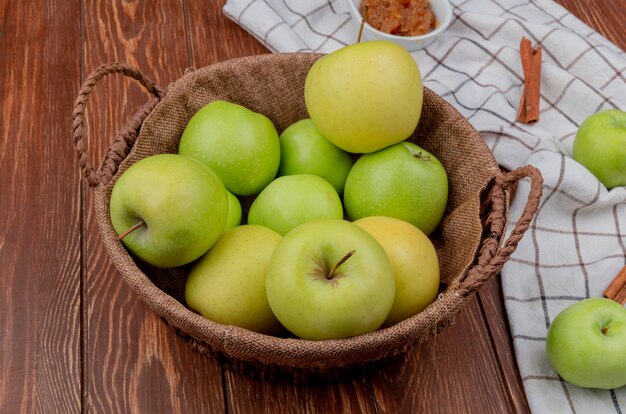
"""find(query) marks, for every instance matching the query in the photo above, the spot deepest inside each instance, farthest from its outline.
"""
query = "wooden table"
(74, 337)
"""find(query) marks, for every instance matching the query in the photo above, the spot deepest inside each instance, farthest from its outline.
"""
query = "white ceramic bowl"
(443, 14)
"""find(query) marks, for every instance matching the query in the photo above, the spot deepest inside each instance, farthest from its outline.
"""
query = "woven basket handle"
(124, 140)
(492, 255)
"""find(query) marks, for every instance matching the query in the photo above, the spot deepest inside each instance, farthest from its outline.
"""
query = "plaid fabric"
(577, 242)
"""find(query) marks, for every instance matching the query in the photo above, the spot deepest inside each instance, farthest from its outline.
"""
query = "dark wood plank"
(453, 372)
(134, 362)
(498, 332)
(274, 398)
(606, 17)
(214, 37)
(39, 209)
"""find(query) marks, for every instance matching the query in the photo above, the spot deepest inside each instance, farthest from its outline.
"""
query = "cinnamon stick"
(617, 289)
(528, 111)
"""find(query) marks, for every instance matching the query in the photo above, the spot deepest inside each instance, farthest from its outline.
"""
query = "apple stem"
(130, 230)
(421, 156)
(604, 330)
(365, 7)
(341, 261)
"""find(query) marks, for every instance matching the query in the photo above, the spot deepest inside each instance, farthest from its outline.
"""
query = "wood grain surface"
(40, 210)
(75, 338)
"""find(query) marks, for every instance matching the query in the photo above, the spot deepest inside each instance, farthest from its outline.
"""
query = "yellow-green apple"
(365, 96)
(291, 200)
(175, 205)
(227, 284)
(241, 146)
(304, 150)
(586, 344)
(330, 279)
(413, 260)
(402, 181)
(234, 211)
(600, 146)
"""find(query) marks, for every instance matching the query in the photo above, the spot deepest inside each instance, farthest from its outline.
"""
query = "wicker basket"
(468, 240)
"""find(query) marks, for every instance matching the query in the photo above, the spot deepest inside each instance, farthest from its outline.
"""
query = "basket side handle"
(124, 139)
(492, 254)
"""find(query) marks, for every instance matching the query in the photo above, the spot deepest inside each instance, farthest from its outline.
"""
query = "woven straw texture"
(467, 241)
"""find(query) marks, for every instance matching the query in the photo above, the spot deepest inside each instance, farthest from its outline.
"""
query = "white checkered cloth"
(577, 242)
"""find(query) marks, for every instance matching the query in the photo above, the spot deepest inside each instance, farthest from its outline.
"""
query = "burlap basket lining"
(467, 241)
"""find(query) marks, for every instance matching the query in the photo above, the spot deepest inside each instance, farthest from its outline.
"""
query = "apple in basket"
(291, 200)
(413, 260)
(402, 181)
(241, 146)
(304, 150)
(168, 209)
(330, 279)
(365, 96)
(586, 344)
(234, 211)
(227, 284)
(600, 146)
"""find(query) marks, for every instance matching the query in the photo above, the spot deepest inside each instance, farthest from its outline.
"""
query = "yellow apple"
(227, 284)
(365, 96)
(413, 260)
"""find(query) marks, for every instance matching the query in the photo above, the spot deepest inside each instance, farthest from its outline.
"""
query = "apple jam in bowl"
(414, 24)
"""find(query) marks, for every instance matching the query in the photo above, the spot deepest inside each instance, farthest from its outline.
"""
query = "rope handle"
(125, 139)
(493, 255)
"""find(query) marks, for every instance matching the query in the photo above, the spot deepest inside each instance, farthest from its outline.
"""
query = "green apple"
(227, 285)
(178, 204)
(304, 150)
(295, 199)
(586, 344)
(413, 260)
(240, 145)
(330, 279)
(234, 211)
(600, 146)
(402, 181)
(365, 96)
